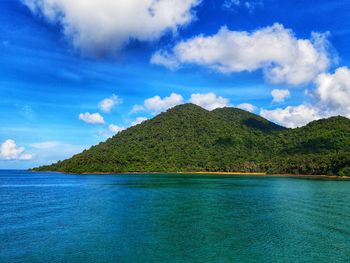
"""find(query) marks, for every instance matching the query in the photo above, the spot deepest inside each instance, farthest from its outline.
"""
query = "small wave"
(39, 185)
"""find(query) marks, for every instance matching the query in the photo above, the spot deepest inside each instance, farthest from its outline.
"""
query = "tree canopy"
(188, 138)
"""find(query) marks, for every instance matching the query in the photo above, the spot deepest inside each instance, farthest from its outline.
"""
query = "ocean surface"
(52, 217)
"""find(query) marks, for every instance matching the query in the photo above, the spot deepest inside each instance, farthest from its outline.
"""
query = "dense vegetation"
(190, 138)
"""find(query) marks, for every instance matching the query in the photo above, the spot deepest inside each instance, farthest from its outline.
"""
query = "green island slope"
(188, 138)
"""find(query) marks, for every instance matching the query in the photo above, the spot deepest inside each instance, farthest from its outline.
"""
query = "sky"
(73, 73)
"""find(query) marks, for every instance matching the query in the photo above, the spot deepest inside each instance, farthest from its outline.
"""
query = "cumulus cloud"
(279, 95)
(139, 120)
(292, 116)
(163, 58)
(333, 92)
(91, 118)
(331, 98)
(274, 49)
(10, 151)
(246, 106)
(157, 104)
(100, 26)
(209, 101)
(107, 104)
(115, 128)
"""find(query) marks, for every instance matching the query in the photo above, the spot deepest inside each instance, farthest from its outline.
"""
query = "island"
(188, 138)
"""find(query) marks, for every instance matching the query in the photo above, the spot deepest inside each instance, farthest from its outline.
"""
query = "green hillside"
(188, 138)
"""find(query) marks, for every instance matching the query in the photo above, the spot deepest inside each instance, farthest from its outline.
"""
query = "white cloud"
(137, 108)
(158, 104)
(161, 57)
(246, 106)
(233, 4)
(10, 151)
(209, 101)
(100, 26)
(91, 118)
(279, 95)
(107, 104)
(139, 120)
(251, 5)
(333, 92)
(292, 116)
(274, 49)
(115, 128)
(331, 98)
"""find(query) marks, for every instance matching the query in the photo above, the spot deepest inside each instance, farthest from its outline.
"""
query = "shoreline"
(262, 174)
(247, 174)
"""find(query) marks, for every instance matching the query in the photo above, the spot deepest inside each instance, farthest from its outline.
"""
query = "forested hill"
(188, 138)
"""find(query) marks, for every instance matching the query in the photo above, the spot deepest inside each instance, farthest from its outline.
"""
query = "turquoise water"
(48, 217)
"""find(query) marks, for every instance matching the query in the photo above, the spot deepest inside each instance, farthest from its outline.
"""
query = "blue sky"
(59, 62)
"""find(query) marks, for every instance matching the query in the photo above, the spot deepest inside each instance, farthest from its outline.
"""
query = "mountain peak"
(331, 122)
(188, 138)
(185, 107)
(238, 116)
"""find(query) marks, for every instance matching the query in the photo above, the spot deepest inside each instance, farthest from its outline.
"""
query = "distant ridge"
(188, 138)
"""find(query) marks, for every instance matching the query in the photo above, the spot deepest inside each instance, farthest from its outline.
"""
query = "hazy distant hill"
(190, 138)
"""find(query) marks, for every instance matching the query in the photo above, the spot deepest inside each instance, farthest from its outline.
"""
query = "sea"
(54, 217)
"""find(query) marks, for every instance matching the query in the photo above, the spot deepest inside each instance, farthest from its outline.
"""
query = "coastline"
(263, 174)
(237, 174)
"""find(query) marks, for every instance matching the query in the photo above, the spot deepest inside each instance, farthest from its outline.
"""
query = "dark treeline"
(188, 138)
